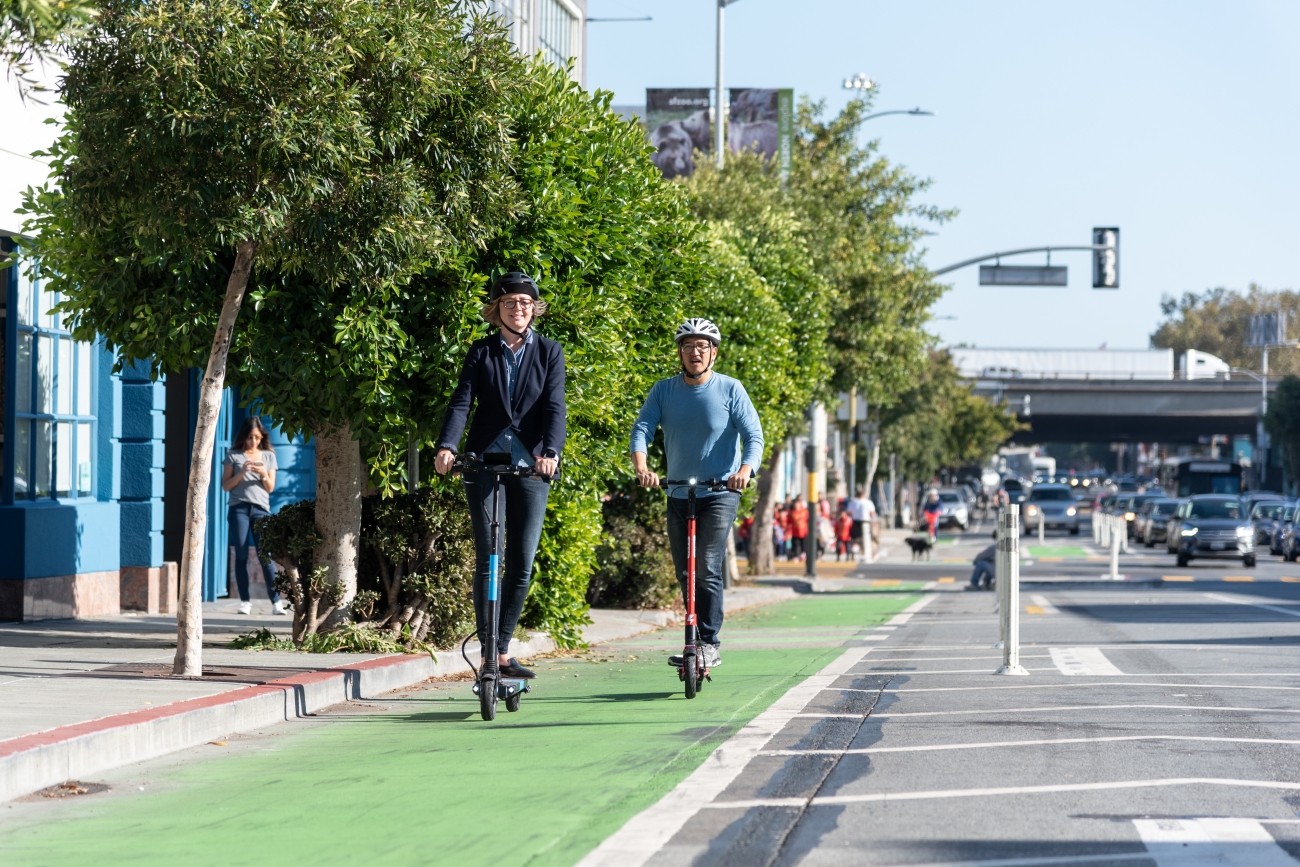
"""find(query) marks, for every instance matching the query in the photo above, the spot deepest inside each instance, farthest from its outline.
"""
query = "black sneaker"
(512, 668)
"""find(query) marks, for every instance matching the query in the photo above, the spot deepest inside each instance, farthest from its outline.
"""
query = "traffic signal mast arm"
(995, 256)
(1105, 263)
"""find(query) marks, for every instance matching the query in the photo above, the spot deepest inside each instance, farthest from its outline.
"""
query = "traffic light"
(1105, 261)
(810, 457)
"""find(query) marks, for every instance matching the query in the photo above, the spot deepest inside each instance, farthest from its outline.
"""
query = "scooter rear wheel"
(690, 674)
(512, 702)
(487, 697)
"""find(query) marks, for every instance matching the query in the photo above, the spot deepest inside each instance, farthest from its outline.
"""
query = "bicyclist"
(515, 381)
(711, 431)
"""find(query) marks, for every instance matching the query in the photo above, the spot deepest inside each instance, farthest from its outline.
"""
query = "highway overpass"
(1128, 410)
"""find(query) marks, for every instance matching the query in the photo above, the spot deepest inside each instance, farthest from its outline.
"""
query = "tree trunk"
(760, 535)
(338, 513)
(189, 613)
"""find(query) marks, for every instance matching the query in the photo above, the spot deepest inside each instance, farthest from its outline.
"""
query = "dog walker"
(489, 685)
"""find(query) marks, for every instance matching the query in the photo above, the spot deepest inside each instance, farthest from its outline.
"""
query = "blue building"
(94, 466)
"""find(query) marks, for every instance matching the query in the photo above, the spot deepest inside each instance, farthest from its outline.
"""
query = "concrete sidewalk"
(79, 697)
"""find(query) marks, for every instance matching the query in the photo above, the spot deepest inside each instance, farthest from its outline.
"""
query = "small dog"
(921, 546)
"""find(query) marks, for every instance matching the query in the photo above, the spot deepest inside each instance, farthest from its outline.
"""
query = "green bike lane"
(419, 778)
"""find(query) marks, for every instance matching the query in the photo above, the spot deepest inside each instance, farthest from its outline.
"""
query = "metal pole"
(720, 120)
(816, 438)
(1009, 589)
(1115, 536)
(853, 441)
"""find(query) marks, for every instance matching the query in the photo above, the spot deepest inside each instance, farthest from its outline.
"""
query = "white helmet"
(698, 328)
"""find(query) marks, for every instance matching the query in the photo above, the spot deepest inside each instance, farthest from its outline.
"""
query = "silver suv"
(1052, 506)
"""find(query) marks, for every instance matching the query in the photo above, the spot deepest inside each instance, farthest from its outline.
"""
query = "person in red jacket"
(844, 536)
(798, 535)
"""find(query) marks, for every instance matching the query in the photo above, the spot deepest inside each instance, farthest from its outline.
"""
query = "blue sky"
(1179, 122)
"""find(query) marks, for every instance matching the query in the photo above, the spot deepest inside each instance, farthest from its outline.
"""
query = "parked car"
(1155, 524)
(1264, 517)
(1051, 505)
(1212, 525)
(956, 511)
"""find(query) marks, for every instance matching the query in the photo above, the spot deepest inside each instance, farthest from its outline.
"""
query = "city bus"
(1184, 476)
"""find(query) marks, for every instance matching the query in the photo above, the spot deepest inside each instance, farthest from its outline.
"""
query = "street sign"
(1023, 275)
(1267, 329)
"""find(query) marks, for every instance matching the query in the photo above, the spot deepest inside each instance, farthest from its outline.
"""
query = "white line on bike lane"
(647, 832)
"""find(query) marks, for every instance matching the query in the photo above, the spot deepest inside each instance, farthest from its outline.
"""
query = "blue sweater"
(709, 429)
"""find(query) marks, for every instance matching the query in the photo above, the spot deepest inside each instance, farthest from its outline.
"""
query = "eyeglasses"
(698, 345)
(521, 303)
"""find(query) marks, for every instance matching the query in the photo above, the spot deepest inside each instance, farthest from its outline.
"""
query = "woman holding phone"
(248, 475)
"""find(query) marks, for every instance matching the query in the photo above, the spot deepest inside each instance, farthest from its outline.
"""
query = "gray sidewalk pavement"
(78, 697)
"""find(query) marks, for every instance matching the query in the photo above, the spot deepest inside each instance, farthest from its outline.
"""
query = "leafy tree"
(337, 145)
(941, 423)
(1282, 421)
(1218, 321)
(32, 30)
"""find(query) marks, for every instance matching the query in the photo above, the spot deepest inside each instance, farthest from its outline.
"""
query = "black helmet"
(513, 283)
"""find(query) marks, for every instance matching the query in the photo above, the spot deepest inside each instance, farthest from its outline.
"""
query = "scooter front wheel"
(487, 697)
(690, 675)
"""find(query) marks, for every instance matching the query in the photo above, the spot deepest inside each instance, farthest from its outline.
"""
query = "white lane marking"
(865, 751)
(1039, 861)
(940, 794)
(1195, 842)
(874, 637)
(1238, 600)
(650, 830)
(1049, 708)
(1042, 603)
(1109, 684)
(1083, 662)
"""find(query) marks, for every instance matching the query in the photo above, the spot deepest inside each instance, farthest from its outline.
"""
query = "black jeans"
(242, 537)
(524, 507)
(713, 519)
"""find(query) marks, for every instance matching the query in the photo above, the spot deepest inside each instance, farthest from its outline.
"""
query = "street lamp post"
(720, 103)
(862, 83)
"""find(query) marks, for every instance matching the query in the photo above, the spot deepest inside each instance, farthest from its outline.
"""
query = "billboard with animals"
(677, 121)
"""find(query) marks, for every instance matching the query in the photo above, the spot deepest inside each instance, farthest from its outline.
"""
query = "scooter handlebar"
(711, 484)
(471, 463)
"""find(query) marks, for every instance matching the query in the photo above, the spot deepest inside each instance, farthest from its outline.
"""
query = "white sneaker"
(279, 607)
(712, 659)
(245, 608)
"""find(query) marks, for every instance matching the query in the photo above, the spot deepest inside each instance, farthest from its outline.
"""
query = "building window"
(48, 398)
(557, 33)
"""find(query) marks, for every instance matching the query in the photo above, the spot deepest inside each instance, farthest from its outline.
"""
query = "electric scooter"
(489, 685)
(692, 670)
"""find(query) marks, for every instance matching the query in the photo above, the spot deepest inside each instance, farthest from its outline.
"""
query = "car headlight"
(1189, 531)
(1069, 511)
(1031, 510)
(1128, 516)
(1243, 531)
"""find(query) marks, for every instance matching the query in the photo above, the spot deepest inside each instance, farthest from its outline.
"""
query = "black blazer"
(537, 413)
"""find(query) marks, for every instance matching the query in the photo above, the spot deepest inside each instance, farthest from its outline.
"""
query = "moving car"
(1264, 518)
(1212, 525)
(1155, 515)
(956, 511)
(1051, 505)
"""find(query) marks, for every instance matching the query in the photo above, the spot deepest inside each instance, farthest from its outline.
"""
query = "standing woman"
(514, 381)
(248, 475)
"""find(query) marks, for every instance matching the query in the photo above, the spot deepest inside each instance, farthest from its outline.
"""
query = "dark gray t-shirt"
(249, 489)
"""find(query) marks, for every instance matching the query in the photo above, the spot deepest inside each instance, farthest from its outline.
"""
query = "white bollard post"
(1042, 527)
(1009, 590)
(1116, 534)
